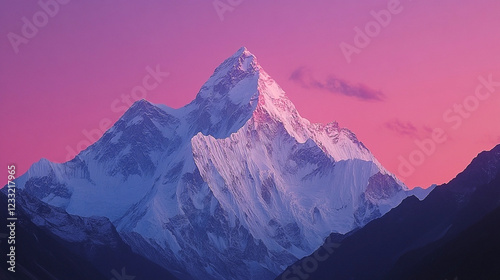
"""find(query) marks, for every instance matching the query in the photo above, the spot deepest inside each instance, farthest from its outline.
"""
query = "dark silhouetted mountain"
(403, 243)
(472, 254)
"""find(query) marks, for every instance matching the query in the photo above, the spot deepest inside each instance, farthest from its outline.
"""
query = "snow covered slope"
(235, 185)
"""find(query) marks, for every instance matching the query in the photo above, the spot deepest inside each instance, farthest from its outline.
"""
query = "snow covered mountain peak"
(240, 66)
(234, 185)
(240, 85)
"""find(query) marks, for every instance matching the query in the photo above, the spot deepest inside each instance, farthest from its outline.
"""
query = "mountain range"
(235, 185)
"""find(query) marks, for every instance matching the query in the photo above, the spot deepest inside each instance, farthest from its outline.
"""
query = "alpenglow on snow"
(234, 185)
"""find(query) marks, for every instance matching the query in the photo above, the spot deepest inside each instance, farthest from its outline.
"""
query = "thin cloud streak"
(408, 128)
(402, 128)
(336, 85)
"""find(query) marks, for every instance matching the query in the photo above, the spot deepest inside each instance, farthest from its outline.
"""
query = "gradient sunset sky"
(406, 82)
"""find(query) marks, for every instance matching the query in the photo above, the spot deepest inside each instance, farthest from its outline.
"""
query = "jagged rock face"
(235, 185)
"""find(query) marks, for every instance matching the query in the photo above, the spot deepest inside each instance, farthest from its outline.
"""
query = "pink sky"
(427, 58)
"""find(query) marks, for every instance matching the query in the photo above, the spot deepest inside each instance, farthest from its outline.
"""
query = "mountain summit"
(234, 185)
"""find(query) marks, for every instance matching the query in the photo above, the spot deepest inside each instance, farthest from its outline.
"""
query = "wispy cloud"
(402, 128)
(336, 85)
(408, 128)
